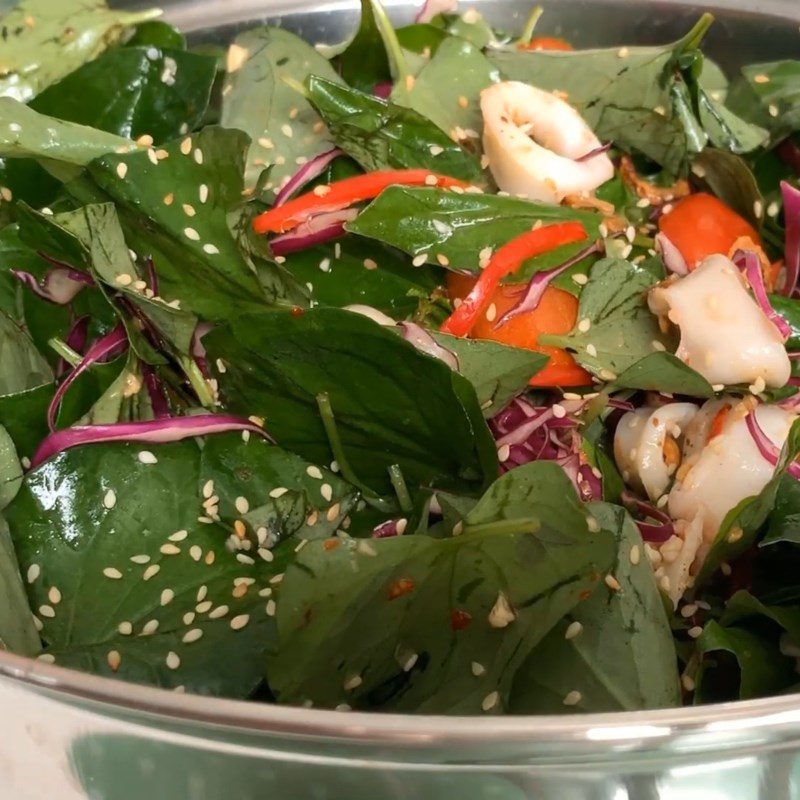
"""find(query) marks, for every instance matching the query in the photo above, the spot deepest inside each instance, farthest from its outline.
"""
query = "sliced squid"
(646, 446)
(677, 557)
(728, 468)
(725, 336)
(532, 140)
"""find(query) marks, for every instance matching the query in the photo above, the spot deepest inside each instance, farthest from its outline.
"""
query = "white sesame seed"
(503, 452)
(279, 491)
(690, 609)
(169, 549)
(695, 631)
(491, 312)
(54, 595)
(178, 536)
(192, 636)
(150, 627)
(191, 233)
(125, 628)
(114, 659)
(238, 622)
(758, 208)
(47, 611)
(203, 192)
(202, 608)
(612, 583)
(48, 658)
(477, 669)
(573, 698)
(198, 155)
(688, 682)
(573, 629)
(242, 505)
(591, 350)
(287, 131)
(37, 623)
(353, 682)
(435, 150)
(110, 499)
(276, 578)
(211, 249)
(502, 614)
(419, 260)
(152, 570)
(113, 573)
(122, 170)
(146, 457)
(271, 608)
(559, 412)
(34, 571)
(592, 524)
(219, 611)
(326, 491)
(173, 661)
(202, 593)
(167, 596)
(314, 472)
(635, 555)
(490, 701)
(195, 552)
(244, 559)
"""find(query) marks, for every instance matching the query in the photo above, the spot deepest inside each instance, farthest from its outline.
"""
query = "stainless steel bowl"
(66, 735)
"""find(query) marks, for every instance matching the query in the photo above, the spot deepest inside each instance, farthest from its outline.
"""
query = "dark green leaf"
(743, 606)
(46, 41)
(381, 135)
(768, 95)
(622, 331)
(10, 469)
(17, 631)
(728, 177)
(784, 521)
(22, 367)
(365, 62)
(497, 371)
(157, 33)
(256, 99)
(762, 670)
(789, 309)
(123, 508)
(664, 372)
(277, 364)
(24, 416)
(457, 226)
(409, 616)
(134, 91)
(337, 276)
(176, 211)
(474, 28)
(623, 659)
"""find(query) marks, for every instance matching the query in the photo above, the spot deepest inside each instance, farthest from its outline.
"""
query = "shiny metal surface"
(69, 736)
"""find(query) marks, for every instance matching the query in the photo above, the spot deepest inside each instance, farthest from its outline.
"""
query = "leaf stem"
(698, 31)
(65, 351)
(530, 26)
(337, 449)
(197, 381)
(397, 60)
(400, 488)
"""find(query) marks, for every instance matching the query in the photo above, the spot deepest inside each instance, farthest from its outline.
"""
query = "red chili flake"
(297, 311)
(331, 544)
(400, 587)
(460, 619)
(585, 594)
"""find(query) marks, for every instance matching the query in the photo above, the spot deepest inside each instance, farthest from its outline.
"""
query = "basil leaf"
(24, 415)
(456, 227)
(133, 91)
(364, 62)
(277, 364)
(621, 330)
(281, 123)
(10, 469)
(47, 40)
(742, 606)
(382, 135)
(623, 658)
(768, 95)
(664, 372)
(784, 520)
(17, 631)
(403, 623)
(22, 367)
(727, 176)
(498, 372)
(186, 584)
(157, 33)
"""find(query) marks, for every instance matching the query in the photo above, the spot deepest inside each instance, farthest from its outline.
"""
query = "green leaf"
(22, 367)
(743, 606)
(381, 135)
(456, 63)
(762, 670)
(789, 309)
(17, 631)
(409, 616)
(10, 469)
(24, 415)
(337, 276)
(277, 364)
(749, 515)
(133, 91)
(769, 95)
(185, 198)
(257, 99)
(456, 226)
(474, 29)
(621, 331)
(28, 134)
(624, 657)
(48, 40)
(664, 372)
(784, 520)
(121, 509)
(157, 33)
(498, 372)
(727, 176)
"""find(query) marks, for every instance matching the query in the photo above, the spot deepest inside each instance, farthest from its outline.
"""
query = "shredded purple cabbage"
(318, 229)
(60, 285)
(310, 170)
(748, 262)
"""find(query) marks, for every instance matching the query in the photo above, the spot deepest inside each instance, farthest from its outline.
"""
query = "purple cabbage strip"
(158, 431)
(672, 257)
(197, 350)
(155, 391)
(748, 262)
(385, 530)
(310, 170)
(604, 148)
(791, 252)
(656, 532)
(59, 286)
(540, 281)
(382, 90)
(75, 340)
(152, 276)
(105, 348)
(316, 230)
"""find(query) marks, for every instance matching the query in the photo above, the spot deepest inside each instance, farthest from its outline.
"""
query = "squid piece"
(716, 477)
(725, 336)
(646, 446)
(533, 141)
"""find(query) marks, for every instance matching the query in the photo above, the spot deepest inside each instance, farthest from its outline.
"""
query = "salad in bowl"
(442, 370)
